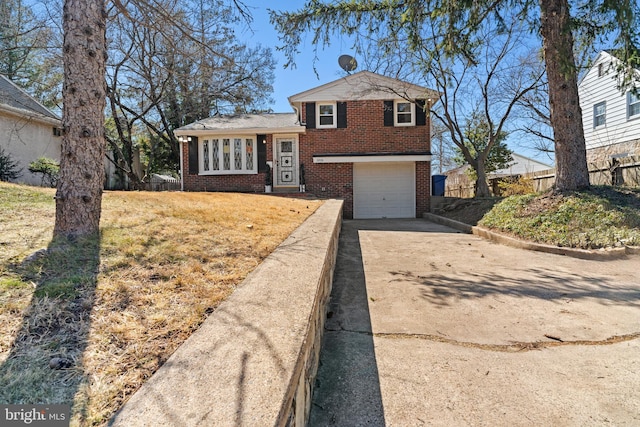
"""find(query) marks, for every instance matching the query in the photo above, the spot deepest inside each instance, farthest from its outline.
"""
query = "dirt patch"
(468, 211)
(542, 204)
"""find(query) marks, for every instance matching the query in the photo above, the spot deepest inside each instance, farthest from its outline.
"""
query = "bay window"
(228, 155)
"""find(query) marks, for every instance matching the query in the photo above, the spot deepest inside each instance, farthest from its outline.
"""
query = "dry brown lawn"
(87, 323)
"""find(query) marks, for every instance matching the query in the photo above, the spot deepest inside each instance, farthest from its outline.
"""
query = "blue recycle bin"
(437, 185)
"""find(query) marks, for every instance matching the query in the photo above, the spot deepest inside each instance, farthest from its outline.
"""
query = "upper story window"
(633, 105)
(326, 115)
(599, 114)
(404, 113)
(228, 155)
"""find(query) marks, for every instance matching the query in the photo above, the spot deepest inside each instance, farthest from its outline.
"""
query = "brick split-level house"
(364, 138)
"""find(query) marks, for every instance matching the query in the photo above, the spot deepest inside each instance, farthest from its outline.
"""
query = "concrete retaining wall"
(254, 360)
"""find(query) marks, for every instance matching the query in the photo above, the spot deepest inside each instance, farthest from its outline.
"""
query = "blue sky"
(291, 81)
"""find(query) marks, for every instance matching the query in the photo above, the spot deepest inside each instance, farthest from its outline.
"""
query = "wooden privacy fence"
(623, 171)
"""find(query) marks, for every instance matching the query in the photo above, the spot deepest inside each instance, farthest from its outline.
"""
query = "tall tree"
(476, 138)
(79, 193)
(479, 98)
(566, 115)
(160, 80)
(457, 24)
(22, 37)
(29, 51)
(442, 150)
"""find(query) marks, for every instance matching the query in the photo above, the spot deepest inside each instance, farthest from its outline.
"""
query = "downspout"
(297, 113)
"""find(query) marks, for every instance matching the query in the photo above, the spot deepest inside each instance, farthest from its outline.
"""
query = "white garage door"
(384, 190)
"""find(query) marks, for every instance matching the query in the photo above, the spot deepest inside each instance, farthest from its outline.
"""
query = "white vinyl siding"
(593, 89)
(233, 155)
(384, 190)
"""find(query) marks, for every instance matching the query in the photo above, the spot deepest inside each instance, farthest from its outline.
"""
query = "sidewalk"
(432, 327)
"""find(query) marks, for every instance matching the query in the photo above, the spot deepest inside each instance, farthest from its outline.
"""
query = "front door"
(286, 162)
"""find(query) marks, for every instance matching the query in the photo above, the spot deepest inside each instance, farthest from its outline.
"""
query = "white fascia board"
(372, 159)
(30, 115)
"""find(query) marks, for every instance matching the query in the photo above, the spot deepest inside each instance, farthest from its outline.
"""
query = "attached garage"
(384, 190)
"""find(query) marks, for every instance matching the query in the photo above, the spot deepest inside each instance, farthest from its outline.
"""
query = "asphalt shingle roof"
(245, 121)
(12, 96)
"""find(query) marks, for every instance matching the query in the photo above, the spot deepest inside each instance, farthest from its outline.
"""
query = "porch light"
(184, 139)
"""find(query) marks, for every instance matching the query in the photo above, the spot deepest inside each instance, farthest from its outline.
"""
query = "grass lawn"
(86, 324)
(600, 217)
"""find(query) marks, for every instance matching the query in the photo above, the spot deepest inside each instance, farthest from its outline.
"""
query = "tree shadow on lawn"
(45, 362)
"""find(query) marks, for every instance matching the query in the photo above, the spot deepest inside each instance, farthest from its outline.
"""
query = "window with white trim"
(404, 113)
(228, 156)
(633, 105)
(599, 114)
(326, 115)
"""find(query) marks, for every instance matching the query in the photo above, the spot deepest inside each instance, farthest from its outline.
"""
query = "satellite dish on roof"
(347, 63)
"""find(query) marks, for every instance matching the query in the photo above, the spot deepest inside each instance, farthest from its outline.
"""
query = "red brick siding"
(365, 133)
(423, 188)
(331, 180)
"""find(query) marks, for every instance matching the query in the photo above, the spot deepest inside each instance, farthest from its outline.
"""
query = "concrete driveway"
(432, 327)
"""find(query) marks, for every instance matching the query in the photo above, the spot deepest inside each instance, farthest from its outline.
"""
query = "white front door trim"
(286, 161)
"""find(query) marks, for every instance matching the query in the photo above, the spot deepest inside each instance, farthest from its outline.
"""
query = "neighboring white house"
(610, 117)
(520, 165)
(28, 130)
(459, 184)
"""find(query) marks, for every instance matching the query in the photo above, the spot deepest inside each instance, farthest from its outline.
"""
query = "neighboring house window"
(326, 115)
(600, 69)
(404, 113)
(57, 132)
(226, 156)
(633, 105)
(599, 114)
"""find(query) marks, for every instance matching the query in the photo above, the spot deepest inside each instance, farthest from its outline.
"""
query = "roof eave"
(28, 114)
(243, 131)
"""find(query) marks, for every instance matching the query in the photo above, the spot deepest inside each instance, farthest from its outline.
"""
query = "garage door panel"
(384, 190)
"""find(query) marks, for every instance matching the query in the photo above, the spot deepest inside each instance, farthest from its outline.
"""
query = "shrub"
(9, 168)
(49, 168)
(516, 186)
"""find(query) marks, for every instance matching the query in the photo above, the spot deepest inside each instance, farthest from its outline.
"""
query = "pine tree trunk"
(79, 193)
(566, 115)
